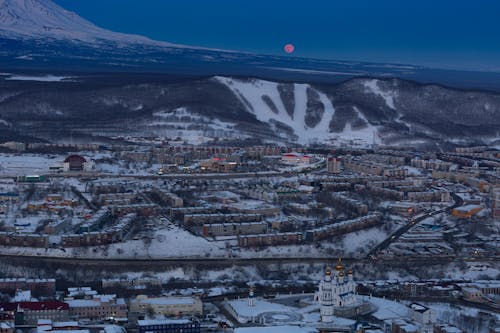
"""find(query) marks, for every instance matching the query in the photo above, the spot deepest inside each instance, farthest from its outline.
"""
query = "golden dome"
(350, 271)
(340, 265)
(328, 271)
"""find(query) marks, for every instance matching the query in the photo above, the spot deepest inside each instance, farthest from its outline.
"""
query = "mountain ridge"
(48, 38)
(357, 112)
(44, 19)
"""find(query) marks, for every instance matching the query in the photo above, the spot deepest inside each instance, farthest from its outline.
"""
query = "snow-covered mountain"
(358, 112)
(370, 111)
(215, 94)
(34, 19)
(39, 34)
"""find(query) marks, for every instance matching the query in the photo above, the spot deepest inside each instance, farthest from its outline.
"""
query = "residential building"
(168, 326)
(421, 314)
(167, 306)
(333, 165)
(88, 304)
(28, 313)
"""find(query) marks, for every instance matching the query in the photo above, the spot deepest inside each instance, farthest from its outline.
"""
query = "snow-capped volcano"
(44, 19)
(41, 35)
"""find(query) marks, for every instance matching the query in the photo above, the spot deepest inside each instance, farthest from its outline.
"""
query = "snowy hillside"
(296, 111)
(358, 112)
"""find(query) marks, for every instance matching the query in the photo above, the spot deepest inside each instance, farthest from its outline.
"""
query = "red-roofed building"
(296, 158)
(76, 162)
(28, 313)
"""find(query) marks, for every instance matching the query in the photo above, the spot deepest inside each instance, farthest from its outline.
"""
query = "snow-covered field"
(175, 242)
(19, 165)
(45, 78)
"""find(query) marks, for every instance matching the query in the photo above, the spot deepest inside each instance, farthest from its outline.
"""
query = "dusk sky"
(437, 33)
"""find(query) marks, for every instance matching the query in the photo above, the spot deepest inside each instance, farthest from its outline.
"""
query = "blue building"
(168, 326)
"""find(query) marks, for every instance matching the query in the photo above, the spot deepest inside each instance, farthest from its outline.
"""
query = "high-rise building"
(495, 202)
(333, 165)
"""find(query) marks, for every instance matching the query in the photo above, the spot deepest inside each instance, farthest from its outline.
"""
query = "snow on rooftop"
(169, 300)
(81, 303)
(275, 329)
(418, 307)
(387, 309)
(250, 204)
(148, 322)
(467, 208)
(241, 307)
(65, 324)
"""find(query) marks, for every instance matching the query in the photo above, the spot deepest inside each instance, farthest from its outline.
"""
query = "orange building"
(466, 211)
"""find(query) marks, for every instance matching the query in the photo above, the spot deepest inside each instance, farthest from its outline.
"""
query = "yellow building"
(466, 211)
(167, 306)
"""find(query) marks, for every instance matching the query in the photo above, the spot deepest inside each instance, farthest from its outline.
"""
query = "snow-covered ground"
(276, 329)
(175, 242)
(254, 94)
(373, 87)
(45, 78)
(387, 309)
(180, 123)
(25, 164)
(242, 308)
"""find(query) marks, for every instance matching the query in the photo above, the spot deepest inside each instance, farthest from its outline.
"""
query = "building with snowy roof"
(421, 314)
(336, 290)
(167, 306)
(168, 326)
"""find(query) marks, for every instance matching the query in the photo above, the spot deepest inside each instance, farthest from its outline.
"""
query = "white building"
(421, 314)
(335, 291)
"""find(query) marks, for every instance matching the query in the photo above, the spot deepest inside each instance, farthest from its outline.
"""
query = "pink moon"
(289, 48)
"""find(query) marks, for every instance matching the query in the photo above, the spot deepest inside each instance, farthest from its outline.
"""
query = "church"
(336, 290)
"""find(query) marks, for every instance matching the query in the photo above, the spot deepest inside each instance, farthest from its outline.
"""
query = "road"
(395, 235)
(217, 262)
(175, 176)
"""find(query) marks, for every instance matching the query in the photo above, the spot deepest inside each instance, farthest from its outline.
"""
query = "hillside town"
(248, 239)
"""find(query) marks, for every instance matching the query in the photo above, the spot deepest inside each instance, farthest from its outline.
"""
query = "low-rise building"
(421, 314)
(233, 229)
(28, 313)
(404, 326)
(296, 158)
(466, 211)
(472, 294)
(446, 328)
(38, 287)
(6, 327)
(168, 326)
(167, 306)
(97, 307)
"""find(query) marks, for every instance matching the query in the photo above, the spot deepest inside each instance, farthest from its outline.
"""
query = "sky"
(437, 33)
